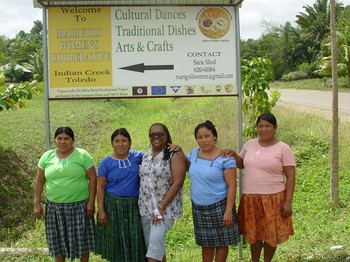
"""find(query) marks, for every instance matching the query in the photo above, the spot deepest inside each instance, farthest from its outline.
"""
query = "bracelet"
(161, 207)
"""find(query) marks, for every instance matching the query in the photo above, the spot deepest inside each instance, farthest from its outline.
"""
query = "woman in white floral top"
(162, 174)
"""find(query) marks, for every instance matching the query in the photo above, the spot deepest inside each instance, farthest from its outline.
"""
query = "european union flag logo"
(139, 90)
(158, 90)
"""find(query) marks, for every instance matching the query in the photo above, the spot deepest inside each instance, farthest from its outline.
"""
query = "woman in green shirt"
(69, 176)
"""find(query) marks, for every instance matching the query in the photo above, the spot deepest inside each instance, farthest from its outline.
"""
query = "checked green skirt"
(121, 240)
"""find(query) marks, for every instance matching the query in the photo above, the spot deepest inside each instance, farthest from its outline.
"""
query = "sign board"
(143, 51)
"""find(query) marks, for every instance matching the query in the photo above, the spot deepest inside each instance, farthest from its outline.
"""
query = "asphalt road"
(317, 99)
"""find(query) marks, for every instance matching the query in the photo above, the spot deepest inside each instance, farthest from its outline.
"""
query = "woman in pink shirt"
(265, 209)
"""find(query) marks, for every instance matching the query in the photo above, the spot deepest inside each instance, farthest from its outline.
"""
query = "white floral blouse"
(155, 181)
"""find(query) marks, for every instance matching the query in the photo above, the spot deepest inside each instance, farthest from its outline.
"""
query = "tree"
(343, 56)
(3, 46)
(36, 33)
(315, 20)
(35, 65)
(334, 181)
(250, 49)
(256, 77)
(20, 49)
(13, 73)
(345, 52)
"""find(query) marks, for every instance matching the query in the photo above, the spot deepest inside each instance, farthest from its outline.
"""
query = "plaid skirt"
(69, 231)
(260, 218)
(208, 225)
(121, 240)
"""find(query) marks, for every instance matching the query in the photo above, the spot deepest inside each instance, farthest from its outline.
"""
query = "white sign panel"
(148, 51)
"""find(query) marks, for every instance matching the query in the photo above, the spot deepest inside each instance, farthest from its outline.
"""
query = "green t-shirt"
(65, 179)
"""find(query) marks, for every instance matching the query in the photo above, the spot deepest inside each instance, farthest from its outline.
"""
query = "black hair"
(120, 131)
(267, 117)
(64, 130)
(169, 140)
(209, 125)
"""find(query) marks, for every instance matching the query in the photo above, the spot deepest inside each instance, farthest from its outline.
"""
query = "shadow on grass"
(16, 196)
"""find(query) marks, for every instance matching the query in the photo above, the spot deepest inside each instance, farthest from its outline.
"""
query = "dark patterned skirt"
(208, 225)
(69, 231)
(121, 240)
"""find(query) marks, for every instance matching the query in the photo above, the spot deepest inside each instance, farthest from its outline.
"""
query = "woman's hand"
(227, 152)
(102, 218)
(287, 210)
(38, 211)
(174, 148)
(157, 216)
(227, 220)
(90, 209)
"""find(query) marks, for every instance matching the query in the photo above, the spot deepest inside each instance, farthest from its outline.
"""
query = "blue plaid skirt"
(208, 225)
(69, 231)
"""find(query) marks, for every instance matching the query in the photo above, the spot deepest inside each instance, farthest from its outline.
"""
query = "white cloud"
(276, 12)
(19, 15)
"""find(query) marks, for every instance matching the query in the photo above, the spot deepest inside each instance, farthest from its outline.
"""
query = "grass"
(314, 84)
(318, 225)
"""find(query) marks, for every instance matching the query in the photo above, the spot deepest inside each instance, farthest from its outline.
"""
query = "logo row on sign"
(162, 90)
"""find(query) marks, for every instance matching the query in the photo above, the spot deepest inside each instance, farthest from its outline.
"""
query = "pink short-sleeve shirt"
(264, 167)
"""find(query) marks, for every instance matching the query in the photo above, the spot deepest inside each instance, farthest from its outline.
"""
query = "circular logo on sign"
(228, 88)
(214, 22)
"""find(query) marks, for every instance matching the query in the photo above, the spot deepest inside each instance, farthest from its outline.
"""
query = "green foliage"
(13, 95)
(22, 47)
(304, 71)
(35, 65)
(343, 54)
(296, 75)
(256, 77)
(311, 149)
(13, 73)
(315, 20)
(249, 49)
(270, 47)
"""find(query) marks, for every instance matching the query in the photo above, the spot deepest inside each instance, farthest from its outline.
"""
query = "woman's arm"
(230, 180)
(178, 172)
(289, 172)
(101, 185)
(178, 149)
(239, 160)
(187, 161)
(38, 190)
(91, 174)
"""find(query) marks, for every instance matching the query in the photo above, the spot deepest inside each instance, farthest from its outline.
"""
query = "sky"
(17, 15)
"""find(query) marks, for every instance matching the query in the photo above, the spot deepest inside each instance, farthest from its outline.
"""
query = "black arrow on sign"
(142, 67)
